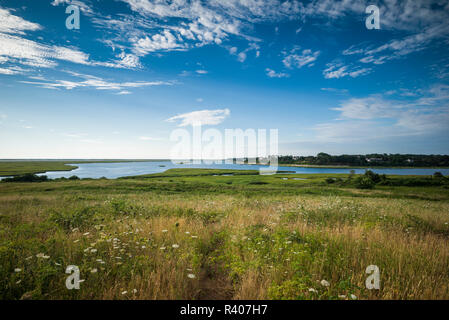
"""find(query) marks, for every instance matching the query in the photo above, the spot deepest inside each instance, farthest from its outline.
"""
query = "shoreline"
(355, 167)
(14, 167)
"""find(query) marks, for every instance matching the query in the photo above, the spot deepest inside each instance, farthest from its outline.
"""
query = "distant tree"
(364, 182)
(29, 177)
(438, 175)
(373, 176)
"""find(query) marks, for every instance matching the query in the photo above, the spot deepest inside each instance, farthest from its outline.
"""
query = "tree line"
(372, 160)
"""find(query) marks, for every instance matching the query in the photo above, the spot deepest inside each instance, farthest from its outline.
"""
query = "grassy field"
(217, 234)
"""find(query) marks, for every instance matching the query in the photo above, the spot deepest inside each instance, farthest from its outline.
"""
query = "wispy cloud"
(11, 70)
(296, 59)
(273, 74)
(376, 117)
(337, 70)
(96, 83)
(203, 117)
(17, 50)
(16, 25)
(27, 52)
(85, 9)
(335, 90)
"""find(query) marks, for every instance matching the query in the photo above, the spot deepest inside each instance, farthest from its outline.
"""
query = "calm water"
(122, 169)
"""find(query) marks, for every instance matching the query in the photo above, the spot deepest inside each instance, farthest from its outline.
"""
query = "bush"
(26, 178)
(258, 182)
(74, 178)
(364, 182)
(438, 175)
(373, 176)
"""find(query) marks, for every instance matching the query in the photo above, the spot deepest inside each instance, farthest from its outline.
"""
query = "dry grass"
(144, 245)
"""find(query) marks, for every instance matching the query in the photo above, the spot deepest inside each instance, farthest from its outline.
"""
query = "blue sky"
(138, 69)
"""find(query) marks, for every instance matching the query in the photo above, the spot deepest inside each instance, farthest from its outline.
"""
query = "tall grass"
(138, 239)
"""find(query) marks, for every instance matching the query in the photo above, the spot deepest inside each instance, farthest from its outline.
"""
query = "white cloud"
(375, 117)
(336, 71)
(31, 53)
(11, 70)
(241, 56)
(202, 71)
(85, 9)
(233, 50)
(124, 92)
(203, 117)
(14, 24)
(273, 74)
(407, 15)
(16, 49)
(96, 83)
(398, 48)
(158, 42)
(127, 61)
(368, 108)
(335, 90)
(306, 57)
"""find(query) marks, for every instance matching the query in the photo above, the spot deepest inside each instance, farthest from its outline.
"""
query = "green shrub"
(363, 182)
(438, 175)
(73, 219)
(26, 178)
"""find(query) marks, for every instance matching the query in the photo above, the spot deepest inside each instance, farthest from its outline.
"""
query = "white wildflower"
(325, 283)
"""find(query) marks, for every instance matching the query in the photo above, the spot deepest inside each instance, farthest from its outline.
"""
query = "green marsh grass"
(201, 235)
